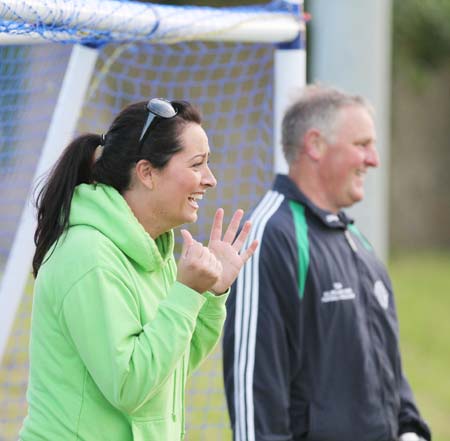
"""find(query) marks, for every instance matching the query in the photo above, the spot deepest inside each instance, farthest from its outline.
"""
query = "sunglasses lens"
(161, 107)
(157, 107)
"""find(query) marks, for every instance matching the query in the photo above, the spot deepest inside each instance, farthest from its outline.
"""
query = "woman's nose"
(208, 178)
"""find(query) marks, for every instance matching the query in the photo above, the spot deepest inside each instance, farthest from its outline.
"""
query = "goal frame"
(286, 32)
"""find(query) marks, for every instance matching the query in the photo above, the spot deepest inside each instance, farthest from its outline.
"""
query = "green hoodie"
(113, 335)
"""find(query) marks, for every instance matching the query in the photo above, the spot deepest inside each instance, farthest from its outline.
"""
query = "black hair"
(121, 151)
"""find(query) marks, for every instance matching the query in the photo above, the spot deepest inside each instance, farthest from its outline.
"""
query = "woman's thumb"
(188, 241)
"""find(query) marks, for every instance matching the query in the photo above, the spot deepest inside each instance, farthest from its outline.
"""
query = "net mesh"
(232, 86)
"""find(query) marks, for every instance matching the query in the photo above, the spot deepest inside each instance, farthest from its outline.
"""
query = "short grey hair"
(317, 106)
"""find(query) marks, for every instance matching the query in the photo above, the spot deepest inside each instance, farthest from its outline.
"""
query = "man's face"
(347, 157)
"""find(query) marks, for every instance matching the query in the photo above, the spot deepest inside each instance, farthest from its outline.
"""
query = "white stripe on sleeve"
(246, 316)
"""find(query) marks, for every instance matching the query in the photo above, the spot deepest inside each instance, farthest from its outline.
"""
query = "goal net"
(70, 67)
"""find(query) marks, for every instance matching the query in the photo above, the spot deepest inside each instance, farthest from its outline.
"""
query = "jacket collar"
(286, 186)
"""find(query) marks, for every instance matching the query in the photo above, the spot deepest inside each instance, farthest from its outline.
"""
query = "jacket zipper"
(354, 248)
(183, 430)
(174, 396)
(350, 241)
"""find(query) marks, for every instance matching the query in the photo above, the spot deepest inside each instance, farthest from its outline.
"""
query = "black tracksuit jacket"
(311, 348)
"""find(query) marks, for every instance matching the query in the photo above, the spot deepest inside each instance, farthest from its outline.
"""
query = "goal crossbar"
(103, 21)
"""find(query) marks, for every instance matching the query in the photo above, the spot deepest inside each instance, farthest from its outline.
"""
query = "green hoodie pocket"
(162, 425)
(155, 429)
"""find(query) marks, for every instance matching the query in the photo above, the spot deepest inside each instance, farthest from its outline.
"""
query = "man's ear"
(145, 173)
(314, 144)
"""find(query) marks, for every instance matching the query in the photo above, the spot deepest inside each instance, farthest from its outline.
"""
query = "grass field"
(422, 286)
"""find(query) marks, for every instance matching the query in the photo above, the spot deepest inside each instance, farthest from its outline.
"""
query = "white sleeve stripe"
(246, 316)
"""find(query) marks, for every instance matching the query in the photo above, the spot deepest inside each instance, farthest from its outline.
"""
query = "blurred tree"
(420, 154)
(421, 33)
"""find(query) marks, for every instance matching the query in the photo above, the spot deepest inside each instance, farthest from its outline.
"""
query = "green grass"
(422, 288)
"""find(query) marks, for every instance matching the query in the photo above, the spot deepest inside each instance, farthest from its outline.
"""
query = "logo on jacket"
(381, 293)
(332, 218)
(337, 293)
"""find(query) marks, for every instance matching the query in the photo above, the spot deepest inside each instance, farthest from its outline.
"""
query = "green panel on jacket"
(301, 231)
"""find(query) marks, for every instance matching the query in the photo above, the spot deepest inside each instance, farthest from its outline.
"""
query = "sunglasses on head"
(157, 107)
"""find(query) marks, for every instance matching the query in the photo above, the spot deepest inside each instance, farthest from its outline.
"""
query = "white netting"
(230, 82)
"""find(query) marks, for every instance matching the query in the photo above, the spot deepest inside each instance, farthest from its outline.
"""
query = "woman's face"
(182, 183)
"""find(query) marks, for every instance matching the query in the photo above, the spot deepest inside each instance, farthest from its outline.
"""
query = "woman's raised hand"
(198, 268)
(215, 267)
(227, 250)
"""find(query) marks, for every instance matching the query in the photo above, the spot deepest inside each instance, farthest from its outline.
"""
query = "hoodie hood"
(102, 207)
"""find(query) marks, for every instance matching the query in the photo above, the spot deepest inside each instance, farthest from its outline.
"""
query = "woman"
(117, 326)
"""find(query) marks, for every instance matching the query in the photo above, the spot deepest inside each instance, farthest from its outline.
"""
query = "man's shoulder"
(279, 231)
(270, 203)
(271, 210)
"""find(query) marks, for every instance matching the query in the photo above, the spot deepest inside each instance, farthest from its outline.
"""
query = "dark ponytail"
(53, 200)
(121, 150)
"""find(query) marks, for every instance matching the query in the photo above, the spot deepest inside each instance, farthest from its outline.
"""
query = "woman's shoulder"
(87, 243)
(80, 250)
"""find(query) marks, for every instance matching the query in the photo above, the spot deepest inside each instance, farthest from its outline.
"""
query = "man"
(311, 339)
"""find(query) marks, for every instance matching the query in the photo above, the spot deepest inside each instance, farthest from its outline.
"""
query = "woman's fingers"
(198, 268)
(216, 229)
(239, 242)
(217, 266)
(249, 251)
(190, 246)
(232, 229)
(230, 233)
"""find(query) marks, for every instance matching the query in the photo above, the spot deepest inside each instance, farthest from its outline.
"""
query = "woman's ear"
(145, 173)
